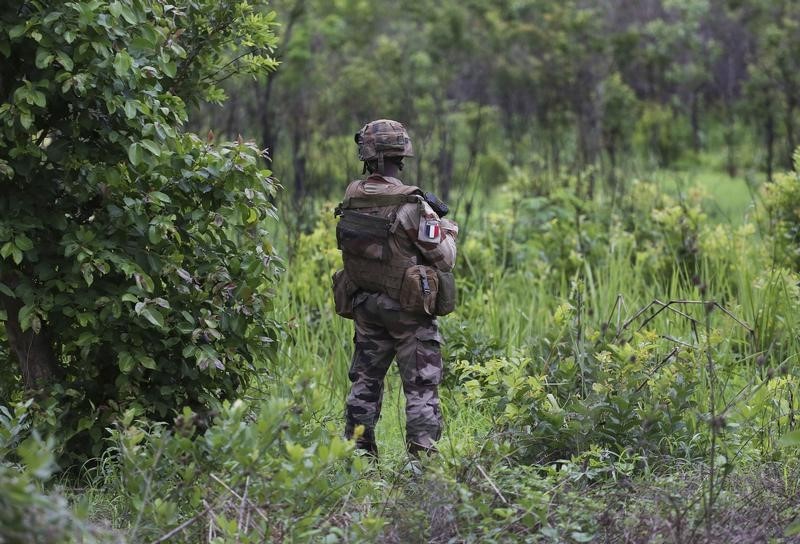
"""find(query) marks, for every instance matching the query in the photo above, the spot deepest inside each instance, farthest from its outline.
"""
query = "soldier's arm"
(434, 237)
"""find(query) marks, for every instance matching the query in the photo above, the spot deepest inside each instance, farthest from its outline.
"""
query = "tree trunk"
(445, 166)
(589, 142)
(730, 138)
(34, 351)
(791, 106)
(555, 152)
(299, 164)
(695, 120)
(266, 114)
(612, 158)
(731, 151)
(267, 117)
(770, 143)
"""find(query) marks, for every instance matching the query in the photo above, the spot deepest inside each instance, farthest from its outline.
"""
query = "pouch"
(343, 291)
(419, 290)
(446, 297)
(364, 235)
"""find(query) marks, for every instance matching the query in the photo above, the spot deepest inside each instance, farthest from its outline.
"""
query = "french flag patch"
(430, 231)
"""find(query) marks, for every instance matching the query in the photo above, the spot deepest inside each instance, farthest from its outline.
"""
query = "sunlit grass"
(729, 200)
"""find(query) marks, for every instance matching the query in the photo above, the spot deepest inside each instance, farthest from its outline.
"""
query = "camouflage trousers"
(383, 333)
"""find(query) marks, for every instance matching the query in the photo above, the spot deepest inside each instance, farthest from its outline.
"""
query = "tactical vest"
(364, 239)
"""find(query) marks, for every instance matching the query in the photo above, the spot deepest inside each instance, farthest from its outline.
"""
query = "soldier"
(393, 231)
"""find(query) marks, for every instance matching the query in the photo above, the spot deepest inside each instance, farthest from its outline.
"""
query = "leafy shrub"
(262, 471)
(782, 203)
(619, 398)
(135, 268)
(661, 133)
(27, 512)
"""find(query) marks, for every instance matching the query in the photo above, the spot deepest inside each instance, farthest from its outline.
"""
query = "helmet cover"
(383, 138)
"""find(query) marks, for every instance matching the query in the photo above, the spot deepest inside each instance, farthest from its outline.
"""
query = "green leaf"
(170, 69)
(88, 276)
(37, 458)
(161, 197)
(154, 235)
(128, 297)
(26, 120)
(17, 31)
(6, 290)
(148, 362)
(122, 63)
(790, 439)
(23, 242)
(25, 316)
(130, 109)
(252, 217)
(793, 529)
(44, 58)
(39, 98)
(5, 169)
(16, 255)
(65, 61)
(153, 316)
(129, 15)
(51, 17)
(118, 9)
(125, 362)
(152, 147)
(6, 250)
(135, 154)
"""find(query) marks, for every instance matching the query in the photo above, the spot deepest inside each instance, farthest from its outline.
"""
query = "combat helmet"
(383, 138)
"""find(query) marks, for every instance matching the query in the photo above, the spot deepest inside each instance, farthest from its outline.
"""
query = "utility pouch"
(364, 235)
(343, 292)
(419, 290)
(446, 297)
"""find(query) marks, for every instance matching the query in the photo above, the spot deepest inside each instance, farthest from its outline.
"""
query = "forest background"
(622, 366)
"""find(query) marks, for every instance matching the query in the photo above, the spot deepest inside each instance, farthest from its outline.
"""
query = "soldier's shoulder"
(411, 212)
(353, 188)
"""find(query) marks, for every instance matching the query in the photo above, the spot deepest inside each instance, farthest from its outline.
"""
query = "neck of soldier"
(390, 170)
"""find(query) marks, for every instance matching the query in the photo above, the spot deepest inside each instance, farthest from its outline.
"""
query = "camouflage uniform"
(383, 331)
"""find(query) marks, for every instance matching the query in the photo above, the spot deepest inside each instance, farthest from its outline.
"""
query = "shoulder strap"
(374, 201)
(395, 196)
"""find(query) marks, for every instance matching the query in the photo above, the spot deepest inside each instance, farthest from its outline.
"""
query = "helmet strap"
(380, 163)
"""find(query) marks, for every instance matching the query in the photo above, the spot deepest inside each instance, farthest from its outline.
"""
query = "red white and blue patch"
(430, 231)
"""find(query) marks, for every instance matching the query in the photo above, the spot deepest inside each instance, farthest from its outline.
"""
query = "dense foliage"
(595, 88)
(135, 268)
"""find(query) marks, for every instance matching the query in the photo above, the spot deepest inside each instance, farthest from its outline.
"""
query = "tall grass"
(515, 291)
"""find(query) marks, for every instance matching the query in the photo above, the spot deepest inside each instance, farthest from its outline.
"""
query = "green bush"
(782, 203)
(28, 513)
(661, 133)
(261, 471)
(135, 268)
